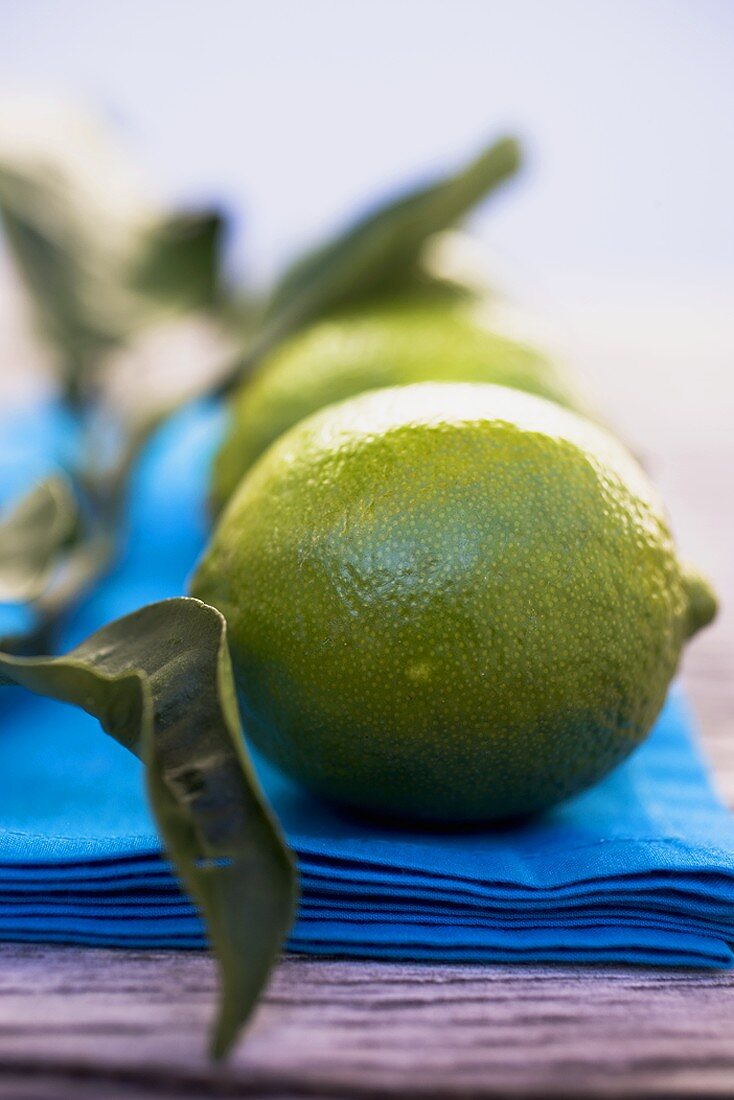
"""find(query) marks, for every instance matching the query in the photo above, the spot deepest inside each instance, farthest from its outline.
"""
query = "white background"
(295, 113)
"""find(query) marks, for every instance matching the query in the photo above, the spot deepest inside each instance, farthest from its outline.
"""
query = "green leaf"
(180, 260)
(160, 682)
(33, 536)
(382, 251)
(100, 259)
(56, 270)
(71, 206)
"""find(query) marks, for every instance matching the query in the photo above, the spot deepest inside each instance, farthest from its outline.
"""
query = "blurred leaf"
(180, 260)
(99, 258)
(33, 535)
(160, 682)
(52, 262)
(71, 204)
(88, 559)
(382, 252)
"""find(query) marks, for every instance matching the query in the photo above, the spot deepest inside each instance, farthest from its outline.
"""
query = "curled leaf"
(160, 682)
(382, 251)
(33, 535)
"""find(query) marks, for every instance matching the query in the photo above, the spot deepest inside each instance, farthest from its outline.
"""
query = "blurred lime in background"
(429, 338)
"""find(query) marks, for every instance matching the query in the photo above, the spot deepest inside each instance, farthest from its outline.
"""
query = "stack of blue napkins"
(639, 869)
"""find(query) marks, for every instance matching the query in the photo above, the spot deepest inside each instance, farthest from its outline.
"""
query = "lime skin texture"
(410, 339)
(449, 603)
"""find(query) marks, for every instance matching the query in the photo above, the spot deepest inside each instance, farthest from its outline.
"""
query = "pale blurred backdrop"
(619, 236)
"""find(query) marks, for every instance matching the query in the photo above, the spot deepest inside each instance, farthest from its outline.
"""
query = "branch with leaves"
(115, 282)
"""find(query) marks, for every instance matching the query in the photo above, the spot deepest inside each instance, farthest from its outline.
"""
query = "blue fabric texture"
(638, 869)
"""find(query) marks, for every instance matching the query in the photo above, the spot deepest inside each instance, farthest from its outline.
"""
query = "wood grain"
(120, 1024)
(133, 1021)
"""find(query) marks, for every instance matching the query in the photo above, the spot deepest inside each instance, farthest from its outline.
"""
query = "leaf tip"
(508, 150)
(222, 1037)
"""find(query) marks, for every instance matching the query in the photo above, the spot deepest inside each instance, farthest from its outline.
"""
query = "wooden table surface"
(102, 1023)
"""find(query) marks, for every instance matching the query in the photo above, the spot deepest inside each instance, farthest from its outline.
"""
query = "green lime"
(449, 602)
(409, 340)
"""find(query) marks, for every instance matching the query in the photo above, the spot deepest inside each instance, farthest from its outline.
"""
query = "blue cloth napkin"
(638, 869)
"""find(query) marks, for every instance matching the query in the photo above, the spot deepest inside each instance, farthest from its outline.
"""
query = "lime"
(407, 340)
(449, 602)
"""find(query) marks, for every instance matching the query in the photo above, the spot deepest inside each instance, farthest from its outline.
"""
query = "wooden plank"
(127, 1020)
